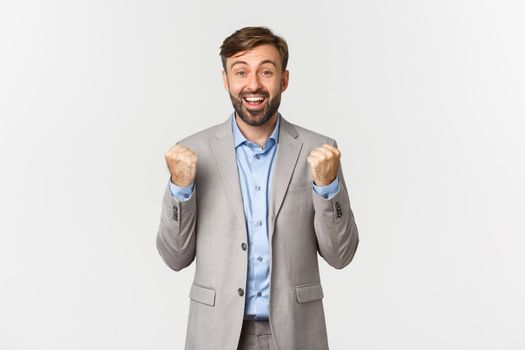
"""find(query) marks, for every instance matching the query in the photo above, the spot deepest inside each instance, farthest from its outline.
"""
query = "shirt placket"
(258, 256)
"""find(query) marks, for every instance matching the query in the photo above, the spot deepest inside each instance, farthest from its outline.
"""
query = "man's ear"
(284, 80)
(225, 81)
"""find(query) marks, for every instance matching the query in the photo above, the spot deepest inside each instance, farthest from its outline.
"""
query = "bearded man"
(253, 200)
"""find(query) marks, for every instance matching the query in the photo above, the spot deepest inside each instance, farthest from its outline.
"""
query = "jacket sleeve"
(177, 230)
(335, 226)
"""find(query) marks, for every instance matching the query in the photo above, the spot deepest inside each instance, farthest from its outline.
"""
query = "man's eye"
(240, 73)
(267, 73)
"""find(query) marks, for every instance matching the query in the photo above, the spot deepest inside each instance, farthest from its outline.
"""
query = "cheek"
(233, 91)
(275, 89)
(235, 88)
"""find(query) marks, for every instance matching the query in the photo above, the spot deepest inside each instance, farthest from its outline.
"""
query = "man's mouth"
(254, 101)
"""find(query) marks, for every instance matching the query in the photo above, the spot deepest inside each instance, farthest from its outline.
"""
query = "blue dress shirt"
(255, 166)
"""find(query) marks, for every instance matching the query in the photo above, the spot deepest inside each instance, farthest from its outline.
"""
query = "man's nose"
(254, 83)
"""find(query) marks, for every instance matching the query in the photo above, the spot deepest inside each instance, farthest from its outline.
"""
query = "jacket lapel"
(287, 154)
(224, 152)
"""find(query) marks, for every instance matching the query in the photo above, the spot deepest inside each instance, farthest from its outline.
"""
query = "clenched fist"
(324, 163)
(182, 164)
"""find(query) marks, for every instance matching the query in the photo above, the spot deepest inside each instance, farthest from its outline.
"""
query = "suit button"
(244, 246)
(240, 291)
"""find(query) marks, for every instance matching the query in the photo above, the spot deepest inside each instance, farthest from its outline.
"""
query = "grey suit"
(210, 227)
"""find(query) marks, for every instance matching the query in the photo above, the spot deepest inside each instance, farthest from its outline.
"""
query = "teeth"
(254, 99)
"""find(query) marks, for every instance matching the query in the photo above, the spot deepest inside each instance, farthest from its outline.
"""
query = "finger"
(333, 149)
(312, 161)
(188, 153)
(317, 154)
(326, 151)
(175, 149)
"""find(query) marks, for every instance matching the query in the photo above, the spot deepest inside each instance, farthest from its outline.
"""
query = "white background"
(426, 101)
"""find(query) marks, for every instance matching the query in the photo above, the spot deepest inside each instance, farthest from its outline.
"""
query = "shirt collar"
(238, 137)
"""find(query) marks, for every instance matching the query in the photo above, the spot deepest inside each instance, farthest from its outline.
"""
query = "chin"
(255, 119)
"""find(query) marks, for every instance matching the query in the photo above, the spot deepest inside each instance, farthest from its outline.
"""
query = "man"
(253, 200)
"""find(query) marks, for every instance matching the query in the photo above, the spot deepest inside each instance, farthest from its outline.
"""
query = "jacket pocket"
(309, 292)
(202, 295)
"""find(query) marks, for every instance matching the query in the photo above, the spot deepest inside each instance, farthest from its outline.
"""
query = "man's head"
(255, 74)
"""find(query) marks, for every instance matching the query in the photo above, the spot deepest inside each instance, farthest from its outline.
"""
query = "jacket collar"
(287, 154)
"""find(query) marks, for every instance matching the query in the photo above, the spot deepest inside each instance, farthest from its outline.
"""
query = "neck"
(257, 134)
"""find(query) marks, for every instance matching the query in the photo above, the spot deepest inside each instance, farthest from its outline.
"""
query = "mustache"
(256, 92)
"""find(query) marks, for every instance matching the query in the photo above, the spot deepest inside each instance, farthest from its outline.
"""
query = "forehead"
(256, 56)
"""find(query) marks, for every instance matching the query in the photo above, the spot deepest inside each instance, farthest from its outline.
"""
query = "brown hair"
(248, 38)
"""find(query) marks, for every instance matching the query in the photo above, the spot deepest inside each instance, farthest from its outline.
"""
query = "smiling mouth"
(254, 101)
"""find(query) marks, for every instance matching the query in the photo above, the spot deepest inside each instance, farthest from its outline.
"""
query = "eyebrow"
(263, 62)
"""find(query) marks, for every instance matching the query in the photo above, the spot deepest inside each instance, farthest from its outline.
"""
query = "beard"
(256, 117)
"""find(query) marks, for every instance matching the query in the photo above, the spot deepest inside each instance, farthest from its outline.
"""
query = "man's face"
(255, 81)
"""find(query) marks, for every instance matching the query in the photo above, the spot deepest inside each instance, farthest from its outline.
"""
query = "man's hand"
(182, 164)
(324, 163)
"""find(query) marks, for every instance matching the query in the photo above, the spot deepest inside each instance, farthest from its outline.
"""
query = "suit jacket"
(210, 228)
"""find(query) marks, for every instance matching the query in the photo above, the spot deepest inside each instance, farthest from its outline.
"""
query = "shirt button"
(244, 246)
(257, 188)
(258, 156)
(259, 294)
(186, 196)
(259, 223)
(260, 258)
(325, 195)
(240, 291)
